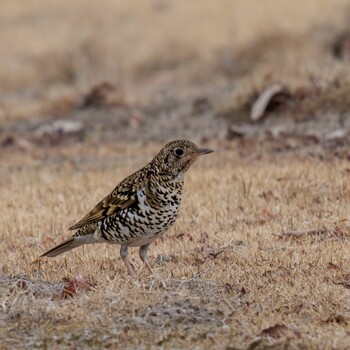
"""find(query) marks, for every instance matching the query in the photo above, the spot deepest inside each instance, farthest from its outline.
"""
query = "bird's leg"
(143, 257)
(124, 256)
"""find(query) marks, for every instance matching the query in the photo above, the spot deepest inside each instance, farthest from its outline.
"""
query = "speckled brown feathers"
(123, 196)
(141, 208)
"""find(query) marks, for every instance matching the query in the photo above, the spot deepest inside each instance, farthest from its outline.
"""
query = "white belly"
(142, 225)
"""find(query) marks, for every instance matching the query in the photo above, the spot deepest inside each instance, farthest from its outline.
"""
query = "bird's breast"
(158, 200)
(152, 214)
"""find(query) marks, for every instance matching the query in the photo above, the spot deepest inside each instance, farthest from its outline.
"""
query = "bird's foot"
(129, 267)
(154, 274)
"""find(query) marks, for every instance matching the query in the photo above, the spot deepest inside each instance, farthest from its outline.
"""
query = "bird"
(140, 208)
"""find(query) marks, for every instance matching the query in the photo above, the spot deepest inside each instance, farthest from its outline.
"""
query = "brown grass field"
(259, 256)
(229, 277)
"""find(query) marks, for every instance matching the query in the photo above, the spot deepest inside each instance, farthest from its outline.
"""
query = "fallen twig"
(299, 233)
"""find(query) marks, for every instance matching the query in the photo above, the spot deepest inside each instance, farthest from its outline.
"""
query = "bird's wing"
(123, 196)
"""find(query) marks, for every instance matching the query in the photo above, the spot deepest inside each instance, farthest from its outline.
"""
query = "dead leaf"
(345, 281)
(341, 46)
(76, 285)
(17, 142)
(266, 211)
(265, 98)
(276, 331)
(336, 135)
(342, 229)
(255, 344)
(243, 291)
(214, 255)
(57, 130)
(332, 266)
(180, 235)
(228, 288)
(22, 284)
(104, 94)
(338, 318)
(63, 126)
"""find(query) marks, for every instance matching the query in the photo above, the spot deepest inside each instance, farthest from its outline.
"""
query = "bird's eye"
(179, 151)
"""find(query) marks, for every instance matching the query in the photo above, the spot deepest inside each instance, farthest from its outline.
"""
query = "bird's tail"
(69, 244)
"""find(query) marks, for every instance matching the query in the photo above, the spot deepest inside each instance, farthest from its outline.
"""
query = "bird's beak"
(202, 151)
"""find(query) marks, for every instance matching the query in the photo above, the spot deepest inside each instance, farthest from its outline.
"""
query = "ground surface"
(259, 256)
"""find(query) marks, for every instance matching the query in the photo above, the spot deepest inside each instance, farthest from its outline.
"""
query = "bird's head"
(177, 156)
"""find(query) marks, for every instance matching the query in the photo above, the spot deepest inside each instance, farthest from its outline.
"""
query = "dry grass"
(232, 282)
(228, 276)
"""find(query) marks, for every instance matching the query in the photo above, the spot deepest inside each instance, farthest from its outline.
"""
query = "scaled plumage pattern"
(141, 208)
